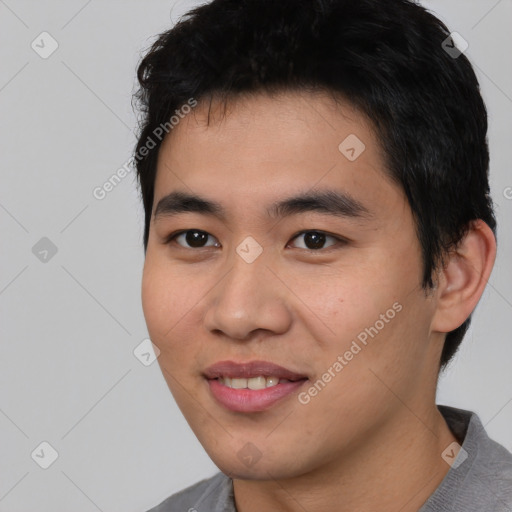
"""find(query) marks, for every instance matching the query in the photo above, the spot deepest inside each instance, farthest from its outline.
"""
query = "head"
(354, 106)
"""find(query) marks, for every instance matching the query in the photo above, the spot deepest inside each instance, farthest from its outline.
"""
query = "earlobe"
(463, 279)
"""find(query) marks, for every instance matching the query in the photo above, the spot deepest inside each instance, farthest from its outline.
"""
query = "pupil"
(314, 239)
(195, 238)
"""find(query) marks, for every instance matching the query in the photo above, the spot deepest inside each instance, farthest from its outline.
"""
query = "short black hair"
(388, 59)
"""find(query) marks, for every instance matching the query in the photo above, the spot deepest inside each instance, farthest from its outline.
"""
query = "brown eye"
(192, 238)
(315, 240)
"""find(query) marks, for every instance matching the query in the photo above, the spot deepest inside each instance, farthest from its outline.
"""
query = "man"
(318, 232)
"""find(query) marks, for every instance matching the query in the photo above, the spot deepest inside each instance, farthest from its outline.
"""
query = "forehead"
(257, 148)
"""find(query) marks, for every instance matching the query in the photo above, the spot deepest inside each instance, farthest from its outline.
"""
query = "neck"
(398, 468)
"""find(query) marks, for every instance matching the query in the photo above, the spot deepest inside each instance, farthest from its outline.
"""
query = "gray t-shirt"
(479, 479)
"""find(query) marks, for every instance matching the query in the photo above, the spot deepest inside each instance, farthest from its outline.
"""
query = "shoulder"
(214, 494)
(492, 474)
(481, 475)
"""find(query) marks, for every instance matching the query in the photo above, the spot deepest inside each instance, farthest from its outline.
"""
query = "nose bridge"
(248, 297)
(244, 285)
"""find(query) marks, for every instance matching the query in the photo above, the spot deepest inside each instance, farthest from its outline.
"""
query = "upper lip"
(250, 369)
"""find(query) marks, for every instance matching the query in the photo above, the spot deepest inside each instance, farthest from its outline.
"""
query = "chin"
(257, 469)
(240, 472)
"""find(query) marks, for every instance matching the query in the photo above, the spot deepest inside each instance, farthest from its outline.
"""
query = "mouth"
(253, 386)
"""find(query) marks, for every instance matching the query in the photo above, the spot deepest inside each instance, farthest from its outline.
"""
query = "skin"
(372, 439)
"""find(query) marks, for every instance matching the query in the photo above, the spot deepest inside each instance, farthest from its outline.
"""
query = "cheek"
(165, 309)
(343, 304)
(171, 302)
(153, 297)
(379, 313)
(165, 296)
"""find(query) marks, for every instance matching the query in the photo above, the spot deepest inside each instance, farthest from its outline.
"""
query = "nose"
(248, 299)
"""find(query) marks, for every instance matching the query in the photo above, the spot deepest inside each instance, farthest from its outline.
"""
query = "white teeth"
(272, 381)
(238, 383)
(253, 383)
(257, 382)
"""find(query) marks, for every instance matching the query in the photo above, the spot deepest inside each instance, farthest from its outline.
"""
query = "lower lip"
(249, 400)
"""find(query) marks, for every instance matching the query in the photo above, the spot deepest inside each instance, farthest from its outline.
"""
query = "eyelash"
(340, 241)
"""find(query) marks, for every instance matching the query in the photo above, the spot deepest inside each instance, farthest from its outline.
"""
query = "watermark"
(507, 192)
(343, 360)
(114, 180)
(249, 454)
(454, 455)
(351, 147)
(44, 455)
(146, 352)
(44, 45)
(455, 45)
(44, 250)
(249, 249)
(100, 192)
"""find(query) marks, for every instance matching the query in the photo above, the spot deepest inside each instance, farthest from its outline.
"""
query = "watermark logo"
(344, 359)
(146, 352)
(44, 455)
(249, 454)
(455, 45)
(351, 147)
(44, 250)
(454, 455)
(249, 249)
(44, 45)
(100, 192)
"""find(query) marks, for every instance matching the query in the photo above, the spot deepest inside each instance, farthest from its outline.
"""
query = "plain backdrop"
(70, 264)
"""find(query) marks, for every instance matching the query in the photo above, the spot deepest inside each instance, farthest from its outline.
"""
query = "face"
(316, 302)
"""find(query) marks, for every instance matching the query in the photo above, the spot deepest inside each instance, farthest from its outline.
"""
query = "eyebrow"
(330, 202)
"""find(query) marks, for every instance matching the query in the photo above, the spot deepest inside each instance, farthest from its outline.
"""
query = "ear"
(462, 280)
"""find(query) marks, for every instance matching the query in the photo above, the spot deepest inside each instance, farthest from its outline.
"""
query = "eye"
(195, 238)
(314, 240)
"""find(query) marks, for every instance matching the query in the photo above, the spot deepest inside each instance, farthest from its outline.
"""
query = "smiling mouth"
(252, 386)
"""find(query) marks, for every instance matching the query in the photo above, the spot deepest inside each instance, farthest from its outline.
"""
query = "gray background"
(69, 324)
